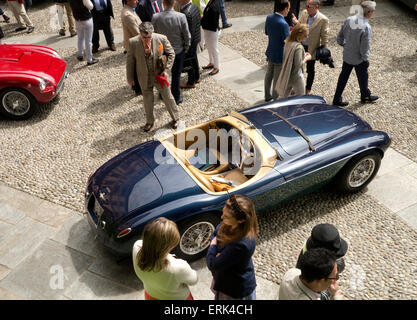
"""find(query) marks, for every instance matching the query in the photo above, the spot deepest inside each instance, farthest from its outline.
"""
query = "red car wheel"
(17, 103)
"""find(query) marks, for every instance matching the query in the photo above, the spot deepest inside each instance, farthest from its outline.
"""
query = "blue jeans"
(362, 75)
(223, 12)
(85, 36)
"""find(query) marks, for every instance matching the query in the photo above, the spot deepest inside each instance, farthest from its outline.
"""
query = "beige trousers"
(19, 13)
(169, 101)
(60, 8)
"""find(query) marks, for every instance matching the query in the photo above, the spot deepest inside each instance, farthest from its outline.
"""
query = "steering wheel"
(244, 153)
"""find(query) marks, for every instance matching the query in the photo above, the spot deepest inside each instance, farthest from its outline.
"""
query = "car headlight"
(56, 55)
(42, 84)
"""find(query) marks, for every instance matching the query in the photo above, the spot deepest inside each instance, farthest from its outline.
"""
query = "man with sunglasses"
(151, 54)
(317, 273)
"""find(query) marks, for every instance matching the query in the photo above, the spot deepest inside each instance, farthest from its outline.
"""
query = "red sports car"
(29, 75)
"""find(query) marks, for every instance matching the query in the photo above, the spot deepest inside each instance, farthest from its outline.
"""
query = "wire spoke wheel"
(362, 171)
(16, 103)
(196, 238)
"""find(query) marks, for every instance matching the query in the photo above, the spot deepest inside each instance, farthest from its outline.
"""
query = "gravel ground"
(97, 116)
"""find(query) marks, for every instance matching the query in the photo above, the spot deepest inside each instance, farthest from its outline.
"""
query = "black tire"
(358, 172)
(195, 236)
(17, 103)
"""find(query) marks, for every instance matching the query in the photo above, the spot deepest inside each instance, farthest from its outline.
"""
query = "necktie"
(156, 7)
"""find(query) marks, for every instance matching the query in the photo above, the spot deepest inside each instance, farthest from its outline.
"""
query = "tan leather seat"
(236, 176)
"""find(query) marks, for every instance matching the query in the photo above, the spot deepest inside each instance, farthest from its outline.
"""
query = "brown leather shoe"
(187, 86)
(174, 124)
(147, 127)
(112, 47)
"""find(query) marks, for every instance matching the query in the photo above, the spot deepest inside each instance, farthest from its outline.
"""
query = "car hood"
(319, 122)
(31, 60)
(136, 181)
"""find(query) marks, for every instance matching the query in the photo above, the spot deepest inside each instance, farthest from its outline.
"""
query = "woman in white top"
(164, 277)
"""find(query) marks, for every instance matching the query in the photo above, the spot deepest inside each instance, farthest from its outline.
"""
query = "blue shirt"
(233, 271)
(355, 37)
(277, 30)
(100, 4)
(310, 21)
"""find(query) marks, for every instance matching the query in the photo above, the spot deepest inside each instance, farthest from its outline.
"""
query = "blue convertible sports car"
(270, 153)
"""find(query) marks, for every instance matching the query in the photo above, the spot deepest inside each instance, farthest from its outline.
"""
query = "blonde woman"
(229, 257)
(164, 277)
(292, 72)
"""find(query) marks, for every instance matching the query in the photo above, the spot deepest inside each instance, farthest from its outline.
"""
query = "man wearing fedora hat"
(326, 236)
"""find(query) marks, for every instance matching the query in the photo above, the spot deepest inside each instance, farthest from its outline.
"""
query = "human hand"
(334, 288)
(164, 74)
(307, 56)
(214, 241)
(294, 19)
(131, 83)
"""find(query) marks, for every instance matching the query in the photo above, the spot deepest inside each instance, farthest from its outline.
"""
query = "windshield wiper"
(295, 128)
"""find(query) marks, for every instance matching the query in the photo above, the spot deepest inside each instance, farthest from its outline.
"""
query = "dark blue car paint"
(297, 172)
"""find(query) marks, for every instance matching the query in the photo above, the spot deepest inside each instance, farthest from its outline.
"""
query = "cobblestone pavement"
(97, 117)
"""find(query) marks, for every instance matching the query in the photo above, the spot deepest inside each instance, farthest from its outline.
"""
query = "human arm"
(324, 32)
(340, 36)
(185, 274)
(168, 51)
(88, 4)
(236, 253)
(335, 292)
(185, 33)
(132, 24)
(364, 45)
(130, 62)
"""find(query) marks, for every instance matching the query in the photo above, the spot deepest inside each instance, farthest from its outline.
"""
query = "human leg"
(341, 83)
(168, 100)
(361, 71)
(108, 32)
(96, 34)
(176, 76)
(225, 24)
(14, 6)
(70, 17)
(89, 27)
(79, 25)
(310, 74)
(148, 101)
(60, 10)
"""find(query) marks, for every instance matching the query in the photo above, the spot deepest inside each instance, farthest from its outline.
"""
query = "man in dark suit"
(146, 9)
(102, 12)
(192, 13)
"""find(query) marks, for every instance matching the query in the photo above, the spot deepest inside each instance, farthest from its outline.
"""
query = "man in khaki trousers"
(61, 6)
(19, 12)
(145, 52)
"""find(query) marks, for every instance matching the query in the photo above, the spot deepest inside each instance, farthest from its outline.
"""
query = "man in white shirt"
(317, 273)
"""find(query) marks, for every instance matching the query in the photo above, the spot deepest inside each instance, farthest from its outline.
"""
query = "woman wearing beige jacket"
(292, 72)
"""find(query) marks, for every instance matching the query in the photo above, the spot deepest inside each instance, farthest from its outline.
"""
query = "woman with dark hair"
(164, 277)
(229, 257)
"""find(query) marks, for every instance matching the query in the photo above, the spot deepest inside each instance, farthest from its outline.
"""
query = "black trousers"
(310, 71)
(176, 75)
(194, 72)
(102, 22)
(362, 75)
